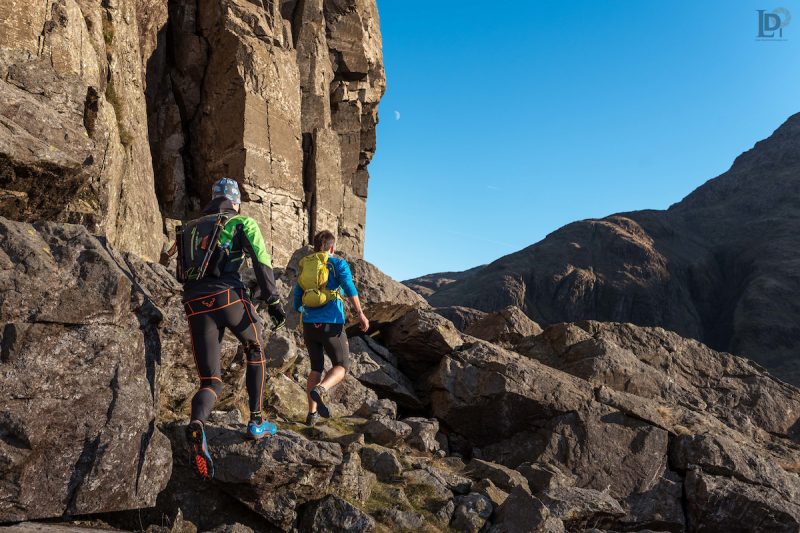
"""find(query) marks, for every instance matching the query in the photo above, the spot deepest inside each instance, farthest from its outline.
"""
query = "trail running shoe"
(201, 458)
(320, 396)
(311, 419)
(257, 430)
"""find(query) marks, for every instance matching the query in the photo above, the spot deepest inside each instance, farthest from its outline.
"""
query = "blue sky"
(503, 121)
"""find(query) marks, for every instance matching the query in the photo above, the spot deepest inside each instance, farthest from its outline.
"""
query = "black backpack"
(198, 248)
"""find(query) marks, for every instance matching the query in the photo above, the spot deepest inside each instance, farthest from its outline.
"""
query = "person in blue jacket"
(323, 329)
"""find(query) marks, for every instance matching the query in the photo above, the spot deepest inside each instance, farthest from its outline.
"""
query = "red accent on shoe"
(200, 464)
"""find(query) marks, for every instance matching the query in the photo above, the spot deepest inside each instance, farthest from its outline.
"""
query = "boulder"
(507, 326)
(281, 350)
(471, 512)
(722, 503)
(273, 476)
(350, 397)
(353, 479)
(489, 393)
(722, 455)
(79, 374)
(385, 431)
(577, 507)
(447, 471)
(452, 480)
(461, 317)
(503, 477)
(487, 488)
(335, 514)
(383, 462)
(602, 448)
(417, 336)
(733, 476)
(401, 520)
(377, 408)
(426, 492)
(423, 433)
(523, 512)
(544, 476)
(286, 398)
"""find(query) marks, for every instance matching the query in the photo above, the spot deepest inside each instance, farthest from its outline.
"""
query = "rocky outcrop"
(73, 120)
(276, 475)
(281, 96)
(117, 115)
(713, 267)
(506, 326)
(79, 374)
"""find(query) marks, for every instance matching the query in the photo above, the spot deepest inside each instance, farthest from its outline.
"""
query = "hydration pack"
(313, 279)
(199, 252)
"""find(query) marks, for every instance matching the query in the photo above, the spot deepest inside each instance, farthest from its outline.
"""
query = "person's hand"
(277, 314)
(363, 322)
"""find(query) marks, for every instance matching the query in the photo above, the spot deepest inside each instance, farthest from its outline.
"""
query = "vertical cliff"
(118, 115)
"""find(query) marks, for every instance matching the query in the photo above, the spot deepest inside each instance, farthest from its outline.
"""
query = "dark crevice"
(309, 184)
(90, 109)
(7, 342)
(295, 18)
(671, 443)
(171, 82)
(89, 455)
(114, 394)
(144, 445)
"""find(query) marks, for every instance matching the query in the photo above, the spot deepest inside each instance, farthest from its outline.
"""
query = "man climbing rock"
(318, 297)
(211, 251)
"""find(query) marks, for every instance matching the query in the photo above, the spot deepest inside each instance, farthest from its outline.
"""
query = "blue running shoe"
(257, 430)
(200, 456)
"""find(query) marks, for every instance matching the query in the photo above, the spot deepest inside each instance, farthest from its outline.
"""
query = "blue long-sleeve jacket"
(339, 275)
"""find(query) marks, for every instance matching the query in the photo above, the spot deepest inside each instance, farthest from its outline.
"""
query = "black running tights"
(209, 317)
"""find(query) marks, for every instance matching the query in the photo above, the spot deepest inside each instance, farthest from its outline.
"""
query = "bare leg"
(313, 380)
(333, 377)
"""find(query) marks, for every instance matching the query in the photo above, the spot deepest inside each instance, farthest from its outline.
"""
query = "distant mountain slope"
(720, 266)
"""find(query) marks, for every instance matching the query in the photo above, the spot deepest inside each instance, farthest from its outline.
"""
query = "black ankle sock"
(256, 417)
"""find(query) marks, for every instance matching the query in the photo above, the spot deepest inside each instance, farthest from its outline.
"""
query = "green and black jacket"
(245, 238)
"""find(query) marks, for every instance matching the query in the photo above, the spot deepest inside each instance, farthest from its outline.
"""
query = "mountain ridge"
(716, 266)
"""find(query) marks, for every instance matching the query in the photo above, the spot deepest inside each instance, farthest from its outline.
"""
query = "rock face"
(79, 378)
(73, 121)
(283, 97)
(716, 266)
(116, 114)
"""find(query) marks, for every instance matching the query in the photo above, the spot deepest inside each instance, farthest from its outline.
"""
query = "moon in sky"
(397, 115)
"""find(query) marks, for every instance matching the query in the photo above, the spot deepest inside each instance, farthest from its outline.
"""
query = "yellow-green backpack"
(313, 279)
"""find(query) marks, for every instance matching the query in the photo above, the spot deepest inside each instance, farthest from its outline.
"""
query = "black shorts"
(330, 339)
